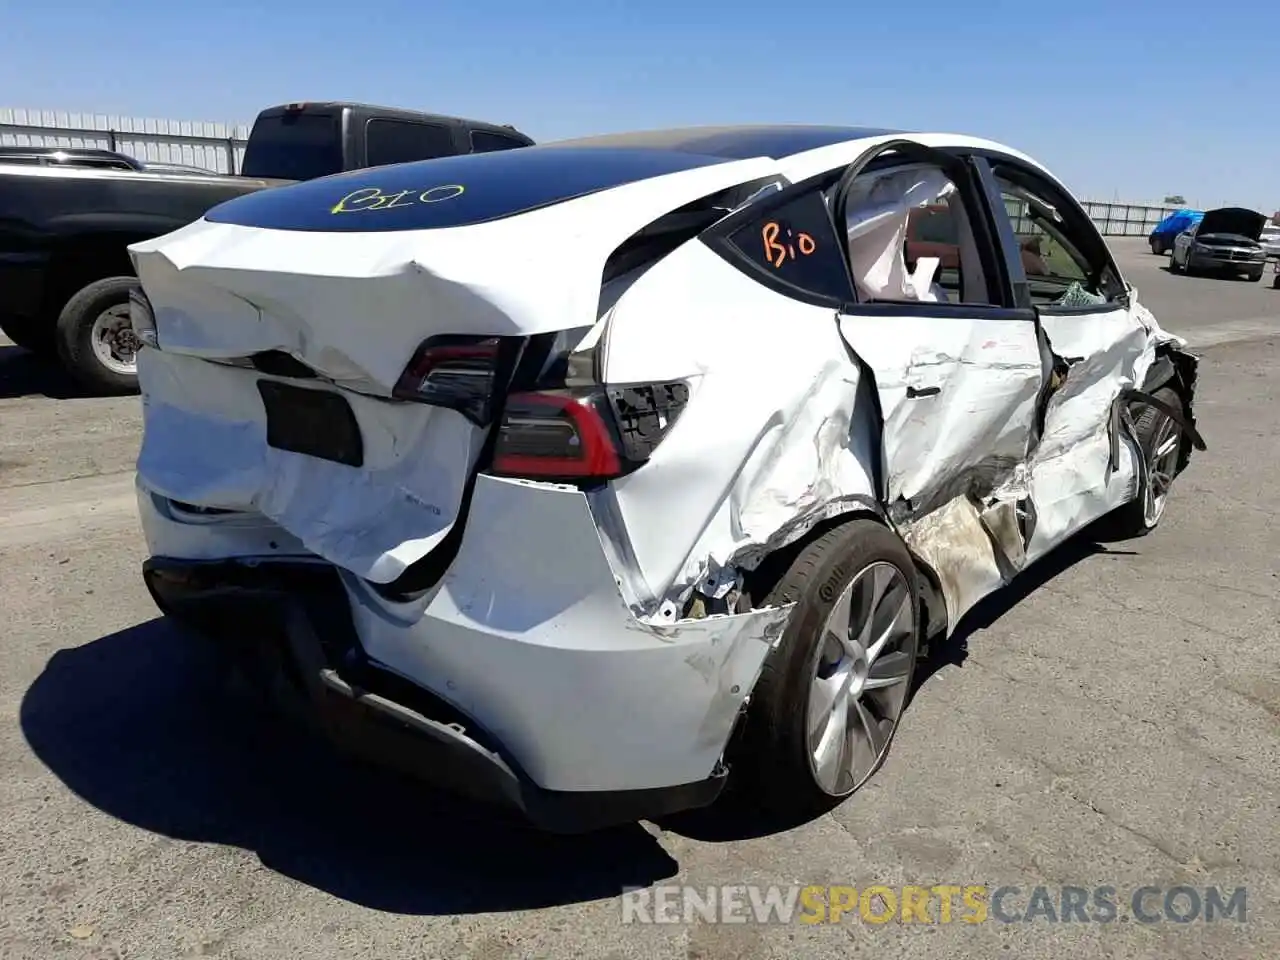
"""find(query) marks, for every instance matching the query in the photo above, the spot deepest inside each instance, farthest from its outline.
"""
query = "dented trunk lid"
(297, 315)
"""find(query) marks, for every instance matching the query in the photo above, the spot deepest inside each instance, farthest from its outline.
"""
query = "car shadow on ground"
(137, 725)
(23, 374)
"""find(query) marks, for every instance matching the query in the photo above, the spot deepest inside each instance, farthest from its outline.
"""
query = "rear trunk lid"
(285, 319)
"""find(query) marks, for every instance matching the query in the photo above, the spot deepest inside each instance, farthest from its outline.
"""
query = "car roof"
(499, 184)
(739, 142)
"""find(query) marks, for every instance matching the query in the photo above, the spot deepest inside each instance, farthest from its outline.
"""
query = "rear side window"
(483, 141)
(294, 146)
(403, 141)
(793, 245)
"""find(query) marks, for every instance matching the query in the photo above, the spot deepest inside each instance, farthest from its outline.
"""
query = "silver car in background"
(1227, 240)
(1270, 240)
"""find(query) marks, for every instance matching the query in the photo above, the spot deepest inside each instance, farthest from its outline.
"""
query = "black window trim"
(984, 223)
(990, 164)
(717, 238)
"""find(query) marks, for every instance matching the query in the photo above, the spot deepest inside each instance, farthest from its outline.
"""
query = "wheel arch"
(78, 261)
(764, 576)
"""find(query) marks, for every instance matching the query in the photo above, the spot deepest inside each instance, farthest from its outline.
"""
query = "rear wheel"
(1156, 246)
(828, 701)
(95, 337)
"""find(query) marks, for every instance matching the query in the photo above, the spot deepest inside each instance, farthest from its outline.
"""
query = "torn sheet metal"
(503, 611)
(204, 442)
(227, 291)
(957, 546)
(776, 433)
(954, 392)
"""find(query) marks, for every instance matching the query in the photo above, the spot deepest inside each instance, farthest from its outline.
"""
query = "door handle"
(913, 392)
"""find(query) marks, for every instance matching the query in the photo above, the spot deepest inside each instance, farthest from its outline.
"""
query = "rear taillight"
(455, 372)
(592, 434)
(556, 434)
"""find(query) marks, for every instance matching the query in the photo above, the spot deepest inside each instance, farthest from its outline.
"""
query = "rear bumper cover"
(301, 621)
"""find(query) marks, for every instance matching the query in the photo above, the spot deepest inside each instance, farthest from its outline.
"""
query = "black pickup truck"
(65, 273)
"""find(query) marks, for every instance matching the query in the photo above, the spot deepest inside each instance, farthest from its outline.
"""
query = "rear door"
(1065, 271)
(958, 368)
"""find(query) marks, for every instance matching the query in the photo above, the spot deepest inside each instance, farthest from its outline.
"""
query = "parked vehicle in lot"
(158, 167)
(1226, 241)
(1162, 237)
(91, 158)
(587, 476)
(1270, 240)
(65, 274)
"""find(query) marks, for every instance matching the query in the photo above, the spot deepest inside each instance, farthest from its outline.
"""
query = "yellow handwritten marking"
(345, 204)
(457, 189)
(778, 253)
(372, 198)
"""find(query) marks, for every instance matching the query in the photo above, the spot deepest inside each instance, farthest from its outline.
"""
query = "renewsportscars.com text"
(938, 903)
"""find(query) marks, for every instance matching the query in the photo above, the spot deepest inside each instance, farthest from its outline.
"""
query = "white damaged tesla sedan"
(589, 476)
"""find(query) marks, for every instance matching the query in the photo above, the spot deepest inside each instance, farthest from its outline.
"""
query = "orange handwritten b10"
(777, 252)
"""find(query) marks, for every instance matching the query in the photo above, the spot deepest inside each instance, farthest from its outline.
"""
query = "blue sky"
(1095, 90)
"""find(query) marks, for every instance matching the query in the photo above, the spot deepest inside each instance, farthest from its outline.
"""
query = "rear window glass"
(294, 146)
(451, 191)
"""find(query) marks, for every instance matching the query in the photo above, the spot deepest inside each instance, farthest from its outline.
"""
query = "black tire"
(75, 335)
(1132, 520)
(1275, 284)
(1157, 246)
(35, 334)
(771, 765)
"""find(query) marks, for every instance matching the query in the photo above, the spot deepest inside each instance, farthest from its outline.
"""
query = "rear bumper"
(302, 625)
(571, 707)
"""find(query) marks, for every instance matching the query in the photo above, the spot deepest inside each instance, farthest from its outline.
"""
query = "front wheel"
(95, 337)
(826, 707)
(1160, 440)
